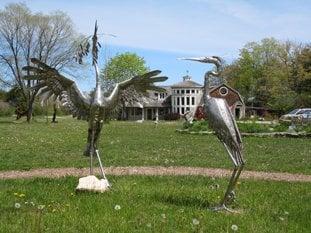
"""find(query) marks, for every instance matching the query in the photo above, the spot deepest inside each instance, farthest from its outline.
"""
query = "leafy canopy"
(124, 66)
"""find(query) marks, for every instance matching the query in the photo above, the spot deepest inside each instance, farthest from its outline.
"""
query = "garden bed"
(272, 134)
(249, 128)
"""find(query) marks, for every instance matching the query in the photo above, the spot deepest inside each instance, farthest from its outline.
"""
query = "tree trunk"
(31, 100)
(29, 111)
(54, 113)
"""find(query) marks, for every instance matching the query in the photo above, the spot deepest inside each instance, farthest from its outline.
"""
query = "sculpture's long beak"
(199, 59)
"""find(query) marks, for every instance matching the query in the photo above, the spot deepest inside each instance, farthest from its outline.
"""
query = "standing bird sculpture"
(223, 123)
(95, 109)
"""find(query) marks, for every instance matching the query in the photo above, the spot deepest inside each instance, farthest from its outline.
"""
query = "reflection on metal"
(223, 123)
(95, 109)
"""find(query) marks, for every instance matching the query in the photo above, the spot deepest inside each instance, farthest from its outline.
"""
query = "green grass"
(153, 204)
(25, 146)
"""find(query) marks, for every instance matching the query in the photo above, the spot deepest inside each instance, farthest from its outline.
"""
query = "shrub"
(304, 128)
(282, 127)
(172, 117)
(6, 109)
(254, 127)
(197, 126)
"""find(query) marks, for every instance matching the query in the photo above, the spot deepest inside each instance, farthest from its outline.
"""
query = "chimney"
(187, 78)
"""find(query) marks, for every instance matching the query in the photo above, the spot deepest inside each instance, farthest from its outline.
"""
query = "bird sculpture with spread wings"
(94, 109)
(222, 122)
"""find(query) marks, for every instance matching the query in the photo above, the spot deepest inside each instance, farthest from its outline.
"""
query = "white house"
(186, 95)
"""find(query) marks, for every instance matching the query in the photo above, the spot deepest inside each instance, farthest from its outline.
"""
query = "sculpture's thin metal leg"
(100, 164)
(230, 187)
(223, 203)
(92, 150)
(229, 194)
(91, 164)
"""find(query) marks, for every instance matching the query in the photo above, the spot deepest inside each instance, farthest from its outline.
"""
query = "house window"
(192, 91)
(188, 91)
(182, 110)
(187, 109)
(197, 91)
(182, 101)
(178, 101)
(182, 91)
(188, 100)
(177, 91)
(193, 101)
(223, 91)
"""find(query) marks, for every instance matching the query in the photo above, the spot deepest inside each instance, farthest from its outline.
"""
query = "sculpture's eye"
(223, 91)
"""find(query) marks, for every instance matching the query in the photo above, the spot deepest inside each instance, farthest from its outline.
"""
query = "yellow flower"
(15, 194)
(22, 195)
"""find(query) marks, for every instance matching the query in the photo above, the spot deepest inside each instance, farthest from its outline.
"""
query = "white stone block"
(93, 184)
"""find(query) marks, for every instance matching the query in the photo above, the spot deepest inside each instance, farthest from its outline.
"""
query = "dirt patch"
(154, 171)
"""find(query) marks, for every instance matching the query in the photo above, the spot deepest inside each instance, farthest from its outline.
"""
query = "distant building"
(154, 106)
(186, 96)
(180, 98)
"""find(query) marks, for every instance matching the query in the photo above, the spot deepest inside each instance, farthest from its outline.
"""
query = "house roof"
(187, 83)
(145, 101)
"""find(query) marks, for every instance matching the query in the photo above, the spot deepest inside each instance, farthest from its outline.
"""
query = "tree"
(266, 71)
(122, 67)
(300, 80)
(23, 35)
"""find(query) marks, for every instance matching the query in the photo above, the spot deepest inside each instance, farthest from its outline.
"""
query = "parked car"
(300, 114)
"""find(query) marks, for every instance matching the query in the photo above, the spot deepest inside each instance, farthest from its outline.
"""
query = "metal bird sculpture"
(94, 109)
(223, 123)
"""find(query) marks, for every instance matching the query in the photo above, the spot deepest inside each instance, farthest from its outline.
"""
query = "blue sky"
(162, 30)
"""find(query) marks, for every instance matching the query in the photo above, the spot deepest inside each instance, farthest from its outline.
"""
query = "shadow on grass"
(8, 122)
(179, 200)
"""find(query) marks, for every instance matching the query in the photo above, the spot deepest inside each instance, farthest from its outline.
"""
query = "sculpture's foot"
(231, 198)
(223, 207)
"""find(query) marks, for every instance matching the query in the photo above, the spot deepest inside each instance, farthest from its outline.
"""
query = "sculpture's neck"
(206, 85)
(98, 96)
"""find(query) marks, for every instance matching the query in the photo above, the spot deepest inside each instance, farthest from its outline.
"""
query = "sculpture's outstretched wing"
(142, 83)
(52, 84)
(139, 83)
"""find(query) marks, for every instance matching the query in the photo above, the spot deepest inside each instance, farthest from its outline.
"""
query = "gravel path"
(154, 171)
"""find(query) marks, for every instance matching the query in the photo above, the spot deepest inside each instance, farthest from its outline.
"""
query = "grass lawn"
(153, 204)
(25, 146)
